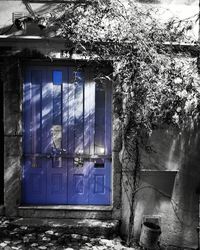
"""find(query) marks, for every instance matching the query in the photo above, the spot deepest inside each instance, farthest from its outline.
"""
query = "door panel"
(56, 166)
(34, 175)
(99, 119)
(78, 113)
(100, 189)
(66, 138)
(100, 173)
(78, 170)
(77, 184)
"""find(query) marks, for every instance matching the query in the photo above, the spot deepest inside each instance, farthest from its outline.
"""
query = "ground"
(27, 237)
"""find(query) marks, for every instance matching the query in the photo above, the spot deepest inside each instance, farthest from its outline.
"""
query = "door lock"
(78, 162)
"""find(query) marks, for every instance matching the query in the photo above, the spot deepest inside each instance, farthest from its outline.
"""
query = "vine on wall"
(152, 85)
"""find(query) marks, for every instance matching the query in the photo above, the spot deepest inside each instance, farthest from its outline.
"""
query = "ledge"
(68, 207)
(162, 180)
(159, 171)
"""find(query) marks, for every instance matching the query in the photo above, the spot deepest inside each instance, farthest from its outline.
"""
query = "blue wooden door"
(66, 138)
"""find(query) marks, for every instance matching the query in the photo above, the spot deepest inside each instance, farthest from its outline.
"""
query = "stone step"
(69, 212)
(88, 227)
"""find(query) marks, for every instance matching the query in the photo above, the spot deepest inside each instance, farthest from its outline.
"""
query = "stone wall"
(1, 140)
(13, 82)
(12, 134)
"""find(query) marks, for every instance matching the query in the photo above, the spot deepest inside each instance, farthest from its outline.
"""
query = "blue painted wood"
(69, 93)
(34, 172)
(57, 77)
(100, 109)
(65, 112)
(78, 174)
(100, 173)
(56, 192)
(57, 102)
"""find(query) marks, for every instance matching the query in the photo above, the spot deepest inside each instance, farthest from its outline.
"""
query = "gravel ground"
(25, 237)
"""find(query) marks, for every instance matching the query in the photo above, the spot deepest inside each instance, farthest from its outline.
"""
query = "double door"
(66, 137)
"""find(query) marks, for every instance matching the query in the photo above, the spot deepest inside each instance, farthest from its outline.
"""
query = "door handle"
(78, 161)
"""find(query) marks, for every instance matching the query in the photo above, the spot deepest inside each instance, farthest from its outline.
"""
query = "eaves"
(30, 41)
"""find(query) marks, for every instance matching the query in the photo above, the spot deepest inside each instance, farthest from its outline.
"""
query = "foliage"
(152, 85)
(157, 87)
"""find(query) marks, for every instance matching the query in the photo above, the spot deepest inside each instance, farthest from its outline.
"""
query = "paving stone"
(12, 233)
(32, 239)
(34, 245)
(46, 239)
(85, 238)
(17, 242)
(42, 247)
(6, 222)
(50, 232)
(50, 244)
(94, 240)
(42, 235)
(7, 241)
(88, 244)
(95, 248)
(23, 237)
(76, 237)
(3, 244)
(101, 248)
(106, 242)
(20, 246)
(58, 234)
(7, 248)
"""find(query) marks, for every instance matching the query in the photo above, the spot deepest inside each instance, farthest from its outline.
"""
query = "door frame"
(1, 139)
(89, 68)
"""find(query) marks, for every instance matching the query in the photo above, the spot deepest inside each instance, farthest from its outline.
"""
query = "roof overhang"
(31, 41)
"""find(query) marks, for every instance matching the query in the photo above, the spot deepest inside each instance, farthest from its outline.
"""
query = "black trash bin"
(149, 236)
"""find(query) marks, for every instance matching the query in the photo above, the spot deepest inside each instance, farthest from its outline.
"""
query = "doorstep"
(90, 227)
(69, 207)
(66, 211)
